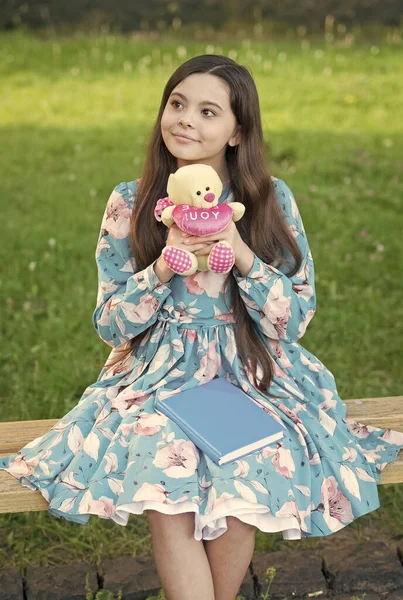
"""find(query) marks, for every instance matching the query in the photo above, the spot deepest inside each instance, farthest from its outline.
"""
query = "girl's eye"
(177, 102)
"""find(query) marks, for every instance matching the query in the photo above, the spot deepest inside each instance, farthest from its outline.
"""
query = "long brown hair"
(263, 227)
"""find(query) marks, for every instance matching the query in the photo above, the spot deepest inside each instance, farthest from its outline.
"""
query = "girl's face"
(199, 107)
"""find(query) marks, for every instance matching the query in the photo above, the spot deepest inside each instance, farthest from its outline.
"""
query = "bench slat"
(386, 413)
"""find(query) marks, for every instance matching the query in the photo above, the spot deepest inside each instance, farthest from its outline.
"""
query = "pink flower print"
(102, 244)
(178, 459)
(227, 317)
(290, 413)
(284, 462)
(210, 363)
(278, 371)
(357, 429)
(213, 501)
(128, 400)
(392, 437)
(191, 335)
(279, 352)
(125, 429)
(192, 284)
(180, 311)
(103, 507)
(205, 281)
(106, 287)
(20, 466)
(330, 402)
(111, 462)
(155, 493)
(116, 220)
(282, 459)
(137, 314)
(304, 289)
(336, 507)
(289, 509)
(119, 367)
(308, 316)
(312, 366)
(148, 424)
(303, 514)
(371, 455)
(277, 310)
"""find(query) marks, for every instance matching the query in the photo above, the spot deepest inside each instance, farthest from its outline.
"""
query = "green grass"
(75, 115)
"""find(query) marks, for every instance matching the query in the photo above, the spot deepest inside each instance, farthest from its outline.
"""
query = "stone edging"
(340, 572)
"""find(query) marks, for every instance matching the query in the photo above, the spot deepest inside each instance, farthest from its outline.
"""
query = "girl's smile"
(183, 140)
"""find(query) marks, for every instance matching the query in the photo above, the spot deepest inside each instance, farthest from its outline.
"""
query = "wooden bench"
(386, 413)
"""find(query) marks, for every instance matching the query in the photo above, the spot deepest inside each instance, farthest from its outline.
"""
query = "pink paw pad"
(178, 260)
(221, 258)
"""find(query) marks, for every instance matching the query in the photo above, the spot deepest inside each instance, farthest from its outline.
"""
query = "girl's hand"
(229, 234)
(176, 238)
(206, 250)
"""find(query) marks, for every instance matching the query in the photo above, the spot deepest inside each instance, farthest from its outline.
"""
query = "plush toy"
(192, 203)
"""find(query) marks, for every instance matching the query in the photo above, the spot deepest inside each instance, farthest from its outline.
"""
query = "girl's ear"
(236, 138)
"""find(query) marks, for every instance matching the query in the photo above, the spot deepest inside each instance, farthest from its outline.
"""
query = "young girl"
(113, 455)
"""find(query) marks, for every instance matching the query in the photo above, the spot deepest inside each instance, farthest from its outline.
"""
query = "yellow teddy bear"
(192, 203)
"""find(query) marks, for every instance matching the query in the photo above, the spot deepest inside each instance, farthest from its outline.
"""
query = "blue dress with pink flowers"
(113, 454)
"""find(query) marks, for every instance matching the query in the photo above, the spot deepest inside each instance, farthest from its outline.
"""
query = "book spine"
(201, 443)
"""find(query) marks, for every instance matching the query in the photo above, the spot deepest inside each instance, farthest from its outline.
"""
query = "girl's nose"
(209, 197)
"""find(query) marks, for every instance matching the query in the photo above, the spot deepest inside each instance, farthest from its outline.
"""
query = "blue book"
(221, 420)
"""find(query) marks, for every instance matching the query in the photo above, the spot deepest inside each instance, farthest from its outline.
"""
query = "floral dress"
(114, 454)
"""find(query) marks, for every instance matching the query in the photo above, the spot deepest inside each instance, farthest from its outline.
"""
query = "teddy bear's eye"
(207, 188)
(198, 193)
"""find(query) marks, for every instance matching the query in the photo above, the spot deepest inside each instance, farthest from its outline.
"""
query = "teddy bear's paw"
(221, 258)
(180, 261)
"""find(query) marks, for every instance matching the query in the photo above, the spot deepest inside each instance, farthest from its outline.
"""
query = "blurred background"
(80, 88)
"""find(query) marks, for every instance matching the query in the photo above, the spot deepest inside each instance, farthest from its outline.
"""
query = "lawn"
(75, 115)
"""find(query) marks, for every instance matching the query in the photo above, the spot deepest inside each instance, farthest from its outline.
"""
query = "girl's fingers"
(198, 246)
(205, 250)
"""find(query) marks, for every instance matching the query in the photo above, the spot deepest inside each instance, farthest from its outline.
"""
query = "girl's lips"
(182, 139)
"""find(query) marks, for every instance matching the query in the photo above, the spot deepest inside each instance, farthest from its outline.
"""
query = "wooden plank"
(386, 413)
(16, 498)
(16, 434)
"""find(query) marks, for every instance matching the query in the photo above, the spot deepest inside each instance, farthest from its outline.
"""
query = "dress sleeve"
(281, 306)
(128, 300)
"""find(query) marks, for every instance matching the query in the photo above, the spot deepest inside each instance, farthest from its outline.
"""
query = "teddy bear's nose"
(209, 197)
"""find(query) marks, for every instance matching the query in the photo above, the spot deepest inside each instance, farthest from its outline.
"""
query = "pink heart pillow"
(202, 221)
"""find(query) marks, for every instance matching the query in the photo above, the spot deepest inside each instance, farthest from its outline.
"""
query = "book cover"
(221, 420)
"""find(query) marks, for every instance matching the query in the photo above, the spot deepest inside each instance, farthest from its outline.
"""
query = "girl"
(113, 455)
